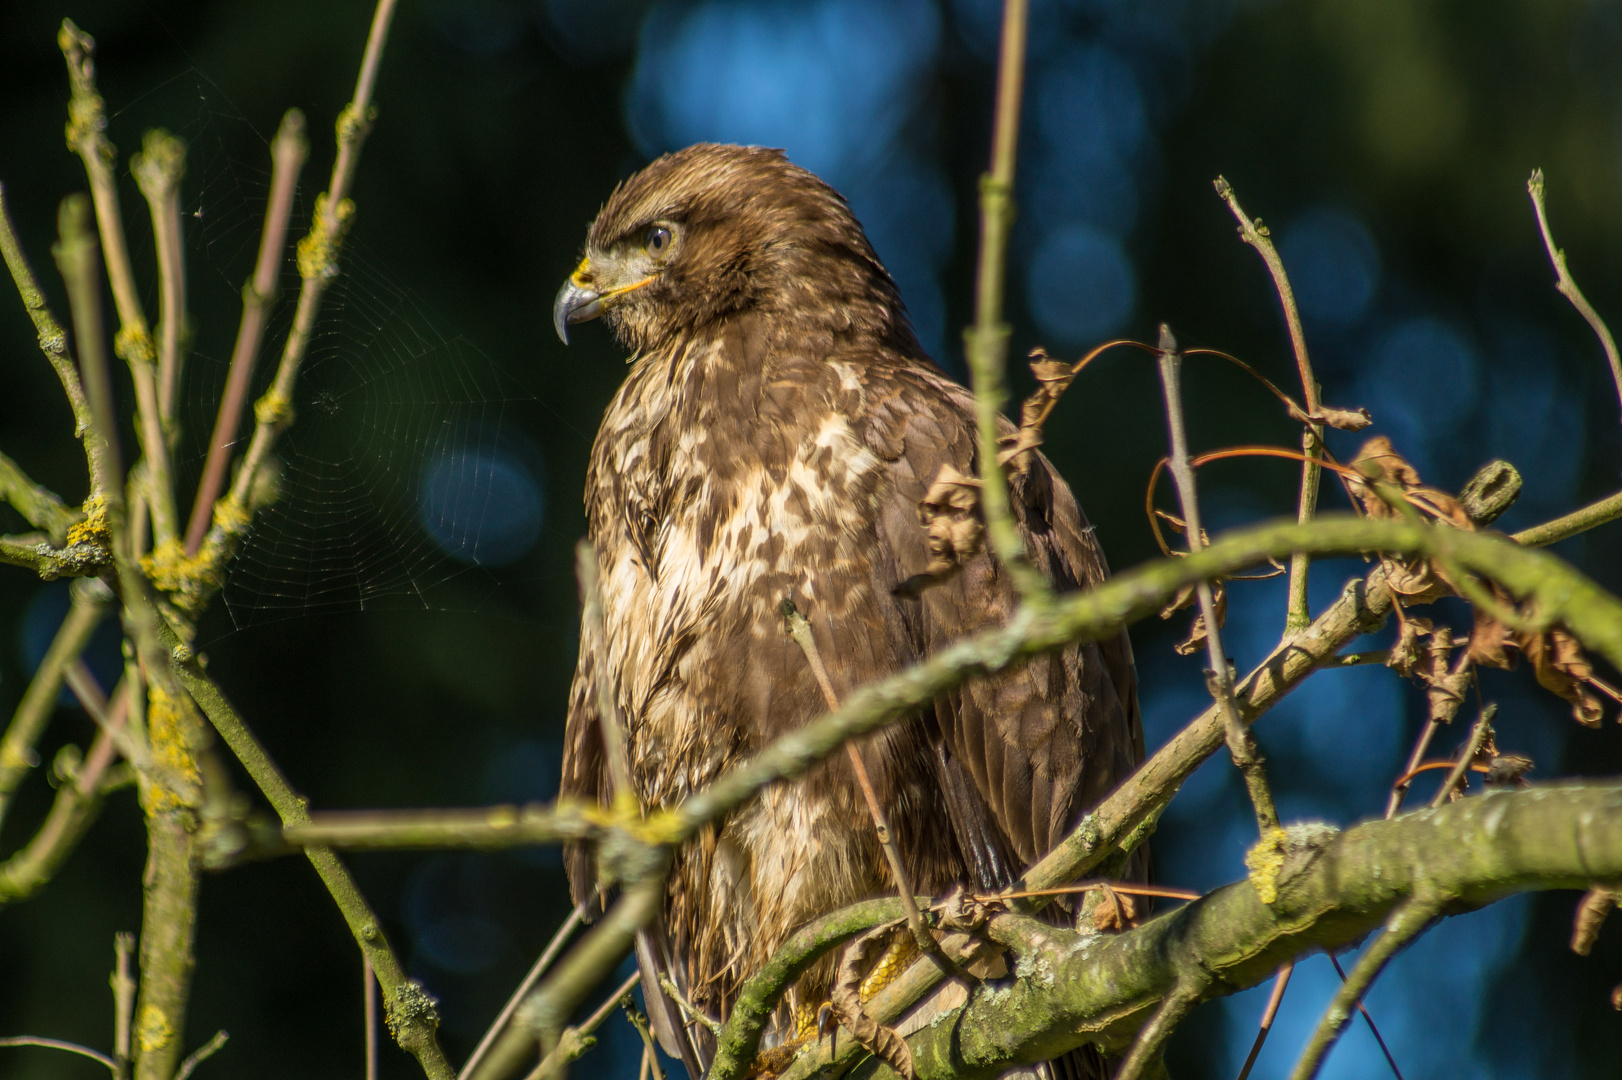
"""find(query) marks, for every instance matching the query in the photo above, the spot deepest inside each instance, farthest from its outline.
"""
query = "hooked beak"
(576, 302)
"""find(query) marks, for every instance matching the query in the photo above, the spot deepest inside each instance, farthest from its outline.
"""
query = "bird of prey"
(775, 433)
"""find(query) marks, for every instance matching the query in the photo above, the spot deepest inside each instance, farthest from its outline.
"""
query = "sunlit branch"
(1568, 285)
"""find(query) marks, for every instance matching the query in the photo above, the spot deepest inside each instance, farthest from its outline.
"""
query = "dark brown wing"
(1024, 754)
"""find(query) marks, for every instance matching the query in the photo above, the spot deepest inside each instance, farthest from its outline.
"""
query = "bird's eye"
(656, 241)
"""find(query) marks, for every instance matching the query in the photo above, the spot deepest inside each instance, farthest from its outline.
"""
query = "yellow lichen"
(154, 1031)
(168, 728)
(133, 343)
(318, 250)
(1265, 861)
(273, 408)
(93, 529)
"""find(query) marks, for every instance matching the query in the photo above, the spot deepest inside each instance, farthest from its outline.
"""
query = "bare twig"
(800, 630)
(318, 267)
(123, 984)
(76, 258)
(1280, 981)
(1479, 734)
(90, 599)
(694, 1013)
(40, 506)
(202, 1054)
(287, 154)
(1219, 675)
(1368, 1019)
(548, 954)
(545, 1012)
(1550, 532)
(1568, 286)
(58, 1044)
(1255, 234)
(986, 342)
(1152, 1036)
(158, 169)
(575, 1041)
(53, 342)
(1404, 923)
(369, 1014)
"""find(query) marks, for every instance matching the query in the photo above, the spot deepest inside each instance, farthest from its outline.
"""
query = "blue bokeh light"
(1334, 265)
(482, 503)
(1080, 285)
(1090, 132)
(1423, 382)
(837, 84)
(42, 618)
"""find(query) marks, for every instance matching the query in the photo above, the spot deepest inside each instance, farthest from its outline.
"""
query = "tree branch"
(1568, 285)
(1335, 887)
(986, 342)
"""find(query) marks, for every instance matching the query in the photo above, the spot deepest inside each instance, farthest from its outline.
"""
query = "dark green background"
(473, 196)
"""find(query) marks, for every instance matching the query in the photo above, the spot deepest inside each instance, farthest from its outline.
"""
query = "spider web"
(404, 480)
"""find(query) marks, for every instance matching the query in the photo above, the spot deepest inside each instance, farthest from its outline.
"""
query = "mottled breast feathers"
(772, 439)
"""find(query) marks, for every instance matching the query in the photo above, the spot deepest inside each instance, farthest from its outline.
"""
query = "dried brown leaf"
(1418, 581)
(1341, 419)
(953, 531)
(1562, 667)
(1114, 912)
(1195, 641)
(885, 1042)
(1406, 654)
(1053, 377)
(1595, 905)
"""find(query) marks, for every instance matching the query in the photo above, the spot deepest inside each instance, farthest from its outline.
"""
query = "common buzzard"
(776, 431)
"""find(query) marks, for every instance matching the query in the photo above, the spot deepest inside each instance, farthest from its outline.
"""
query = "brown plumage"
(776, 431)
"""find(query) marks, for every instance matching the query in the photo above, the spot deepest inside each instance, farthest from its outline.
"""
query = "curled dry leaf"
(950, 515)
(1115, 911)
(1053, 377)
(1195, 641)
(1595, 905)
(1341, 419)
(1557, 658)
(1417, 581)
(1405, 656)
(962, 920)
(885, 1042)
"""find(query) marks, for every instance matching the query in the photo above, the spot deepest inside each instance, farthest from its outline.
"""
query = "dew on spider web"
(404, 479)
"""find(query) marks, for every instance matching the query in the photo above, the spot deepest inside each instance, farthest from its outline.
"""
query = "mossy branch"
(1334, 888)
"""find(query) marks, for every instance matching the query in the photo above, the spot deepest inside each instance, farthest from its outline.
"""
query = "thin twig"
(1368, 1019)
(1404, 923)
(368, 982)
(39, 505)
(90, 602)
(158, 169)
(318, 267)
(545, 1012)
(1152, 1036)
(1255, 234)
(77, 259)
(53, 341)
(123, 984)
(800, 630)
(986, 342)
(1605, 510)
(575, 1041)
(287, 154)
(203, 1053)
(58, 1044)
(1568, 286)
(1280, 981)
(697, 1015)
(1479, 734)
(1089, 886)
(1219, 675)
(548, 954)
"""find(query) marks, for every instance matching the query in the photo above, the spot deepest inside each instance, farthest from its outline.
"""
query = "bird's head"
(712, 231)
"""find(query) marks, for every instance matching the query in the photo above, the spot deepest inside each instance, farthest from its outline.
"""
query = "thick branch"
(1334, 889)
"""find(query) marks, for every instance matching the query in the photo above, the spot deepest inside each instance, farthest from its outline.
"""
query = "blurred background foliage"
(402, 630)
